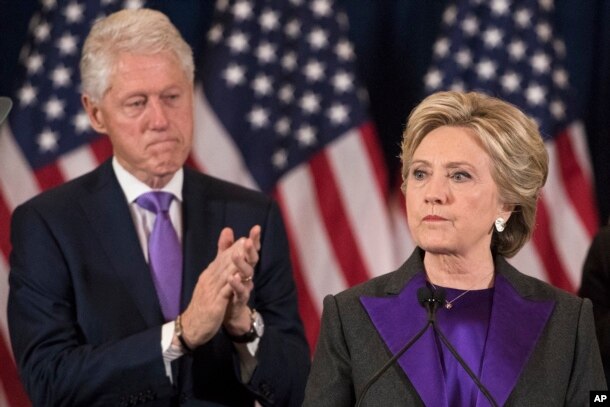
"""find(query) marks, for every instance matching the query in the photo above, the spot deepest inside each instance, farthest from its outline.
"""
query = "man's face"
(147, 111)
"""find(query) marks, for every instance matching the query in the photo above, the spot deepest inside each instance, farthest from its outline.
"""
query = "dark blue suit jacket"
(84, 318)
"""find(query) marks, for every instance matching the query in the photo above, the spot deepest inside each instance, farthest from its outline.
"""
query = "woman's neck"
(459, 272)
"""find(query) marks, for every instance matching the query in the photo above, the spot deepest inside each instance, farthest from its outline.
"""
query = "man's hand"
(223, 289)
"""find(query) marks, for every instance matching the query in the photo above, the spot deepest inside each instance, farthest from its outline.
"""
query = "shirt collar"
(133, 187)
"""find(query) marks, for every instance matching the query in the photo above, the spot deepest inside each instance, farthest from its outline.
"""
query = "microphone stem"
(455, 354)
(390, 362)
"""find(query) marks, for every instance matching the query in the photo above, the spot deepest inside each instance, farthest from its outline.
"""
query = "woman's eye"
(460, 176)
(419, 174)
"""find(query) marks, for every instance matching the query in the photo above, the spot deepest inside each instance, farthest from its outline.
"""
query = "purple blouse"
(465, 325)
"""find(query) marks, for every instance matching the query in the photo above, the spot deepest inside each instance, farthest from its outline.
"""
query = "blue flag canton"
(280, 77)
(508, 49)
(48, 119)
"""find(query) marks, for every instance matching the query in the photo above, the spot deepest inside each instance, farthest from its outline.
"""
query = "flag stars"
(286, 94)
(34, 63)
(314, 71)
(344, 50)
(560, 47)
(133, 4)
(293, 29)
(470, 25)
(546, 4)
(441, 47)
(262, 85)
(338, 114)
(258, 117)
(282, 126)
(80, 122)
(306, 135)
(499, 7)
(544, 31)
(541, 62)
(523, 18)
(54, 108)
(74, 13)
(558, 109)
(492, 37)
(280, 159)
(42, 32)
(242, 10)
(289, 61)
(317, 38)
(450, 15)
(215, 34)
(47, 141)
(535, 94)
(464, 58)
(238, 42)
(321, 8)
(516, 50)
(561, 78)
(510, 82)
(269, 20)
(222, 5)
(310, 103)
(60, 76)
(486, 69)
(265, 53)
(48, 5)
(343, 82)
(234, 75)
(27, 94)
(433, 79)
(67, 44)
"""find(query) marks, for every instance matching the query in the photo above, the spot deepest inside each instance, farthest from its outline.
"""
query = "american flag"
(46, 139)
(280, 110)
(512, 50)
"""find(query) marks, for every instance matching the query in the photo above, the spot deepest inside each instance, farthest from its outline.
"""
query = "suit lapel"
(398, 318)
(105, 208)
(203, 219)
(511, 339)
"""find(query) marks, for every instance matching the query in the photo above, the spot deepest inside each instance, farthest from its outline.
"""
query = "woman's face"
(452, 200)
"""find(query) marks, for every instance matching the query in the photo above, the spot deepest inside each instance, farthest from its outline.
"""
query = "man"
(128, 285)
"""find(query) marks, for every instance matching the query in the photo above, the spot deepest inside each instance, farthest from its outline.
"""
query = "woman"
(473, 167)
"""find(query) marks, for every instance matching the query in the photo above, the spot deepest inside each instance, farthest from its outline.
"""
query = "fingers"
(255, 236)
(225, 240)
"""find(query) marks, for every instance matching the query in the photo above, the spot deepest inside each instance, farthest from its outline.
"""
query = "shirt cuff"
(170, 352)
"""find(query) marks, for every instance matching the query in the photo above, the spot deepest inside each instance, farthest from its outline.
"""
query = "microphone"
(431, 301)
(5, 107)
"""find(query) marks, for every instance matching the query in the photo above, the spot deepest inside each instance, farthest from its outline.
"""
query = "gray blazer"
(541, 348)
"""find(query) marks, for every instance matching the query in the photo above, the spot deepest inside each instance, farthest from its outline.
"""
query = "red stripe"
(577, 185)
(49, 176)
(101, 148)
(5, 219)
(307, 310)
(543, 241)
(336, 221)
(369, 136)
(9, 378)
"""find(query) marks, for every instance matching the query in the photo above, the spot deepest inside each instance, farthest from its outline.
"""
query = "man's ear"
(94, 113)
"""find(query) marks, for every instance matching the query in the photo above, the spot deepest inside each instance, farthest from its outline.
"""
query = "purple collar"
(515, 326)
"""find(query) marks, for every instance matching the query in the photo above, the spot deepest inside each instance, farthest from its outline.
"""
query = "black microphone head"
(424, 295)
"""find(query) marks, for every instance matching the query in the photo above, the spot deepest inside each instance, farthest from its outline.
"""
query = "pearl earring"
(500, 225)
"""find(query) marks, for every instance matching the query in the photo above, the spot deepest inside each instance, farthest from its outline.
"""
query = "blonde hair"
(139, 31)
(512, 140)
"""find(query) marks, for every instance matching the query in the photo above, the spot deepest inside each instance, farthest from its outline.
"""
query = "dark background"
(393, 41)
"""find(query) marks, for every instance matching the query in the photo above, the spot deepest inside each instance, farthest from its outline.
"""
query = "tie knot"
(155, 201)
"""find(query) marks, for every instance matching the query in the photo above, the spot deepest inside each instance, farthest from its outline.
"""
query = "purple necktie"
(164, 252)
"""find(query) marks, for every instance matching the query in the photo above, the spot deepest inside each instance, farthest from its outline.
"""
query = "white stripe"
(3, 399)
(403, 241)
(321, 271)
(4, 270)
(362, 198)
(77, 162)
(17, 181)
(214, 149)
(527, 261)
(578, 139)
(568, 233)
